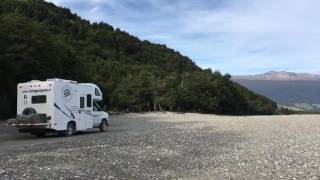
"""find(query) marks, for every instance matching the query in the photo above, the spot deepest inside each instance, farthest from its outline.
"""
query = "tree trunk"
(182, 83)
(154, 107)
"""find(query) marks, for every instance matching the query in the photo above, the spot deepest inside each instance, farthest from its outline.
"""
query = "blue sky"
(234, 36)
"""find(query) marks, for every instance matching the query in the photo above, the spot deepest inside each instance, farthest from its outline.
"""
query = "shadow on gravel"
(8, 133)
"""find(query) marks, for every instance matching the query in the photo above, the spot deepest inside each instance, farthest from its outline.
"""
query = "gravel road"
(171, 146)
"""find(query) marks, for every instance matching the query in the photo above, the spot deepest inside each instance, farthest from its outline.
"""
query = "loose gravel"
(171, 146)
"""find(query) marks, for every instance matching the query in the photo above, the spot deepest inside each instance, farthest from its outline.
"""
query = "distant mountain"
(281, 76)
(295, 90)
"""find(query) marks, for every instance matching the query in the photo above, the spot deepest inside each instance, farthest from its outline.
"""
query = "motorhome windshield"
(40, 99)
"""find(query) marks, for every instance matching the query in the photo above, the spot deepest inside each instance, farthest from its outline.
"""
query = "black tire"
(71, 130)
(103, 126)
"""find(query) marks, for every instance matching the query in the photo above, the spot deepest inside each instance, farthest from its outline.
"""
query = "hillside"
(281, 76)
(39, 40)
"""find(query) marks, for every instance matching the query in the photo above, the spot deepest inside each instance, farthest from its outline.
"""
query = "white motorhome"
(58, 105)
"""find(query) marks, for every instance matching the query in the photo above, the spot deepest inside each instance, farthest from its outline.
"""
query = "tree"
(39, 40)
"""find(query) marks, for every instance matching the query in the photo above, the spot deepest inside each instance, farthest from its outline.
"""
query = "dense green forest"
(39, 40)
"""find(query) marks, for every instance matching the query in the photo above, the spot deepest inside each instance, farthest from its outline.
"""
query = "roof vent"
(61, 80)
(35, 81)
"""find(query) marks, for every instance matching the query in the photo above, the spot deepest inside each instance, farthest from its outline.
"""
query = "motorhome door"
(85, 112)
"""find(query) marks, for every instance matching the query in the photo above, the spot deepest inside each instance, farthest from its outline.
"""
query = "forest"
(39, 40)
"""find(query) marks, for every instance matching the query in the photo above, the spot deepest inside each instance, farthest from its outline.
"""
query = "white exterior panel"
(62, 103)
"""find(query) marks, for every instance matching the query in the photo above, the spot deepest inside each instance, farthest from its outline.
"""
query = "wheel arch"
(105, 119)
(74, 123)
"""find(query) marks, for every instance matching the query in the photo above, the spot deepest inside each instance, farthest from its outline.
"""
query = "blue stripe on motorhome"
(86, 112)
(70, 111)
(55, 105)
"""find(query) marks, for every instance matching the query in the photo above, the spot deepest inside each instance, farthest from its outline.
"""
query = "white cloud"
(236, 36)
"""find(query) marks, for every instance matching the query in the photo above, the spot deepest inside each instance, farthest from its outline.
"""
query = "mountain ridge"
(280, 76)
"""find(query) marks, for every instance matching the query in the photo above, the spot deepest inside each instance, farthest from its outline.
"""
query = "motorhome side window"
(41, 99)
(81, 102)
(97, 92)
(89, 100)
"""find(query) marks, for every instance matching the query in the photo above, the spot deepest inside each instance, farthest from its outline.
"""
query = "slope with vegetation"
(39, 40)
